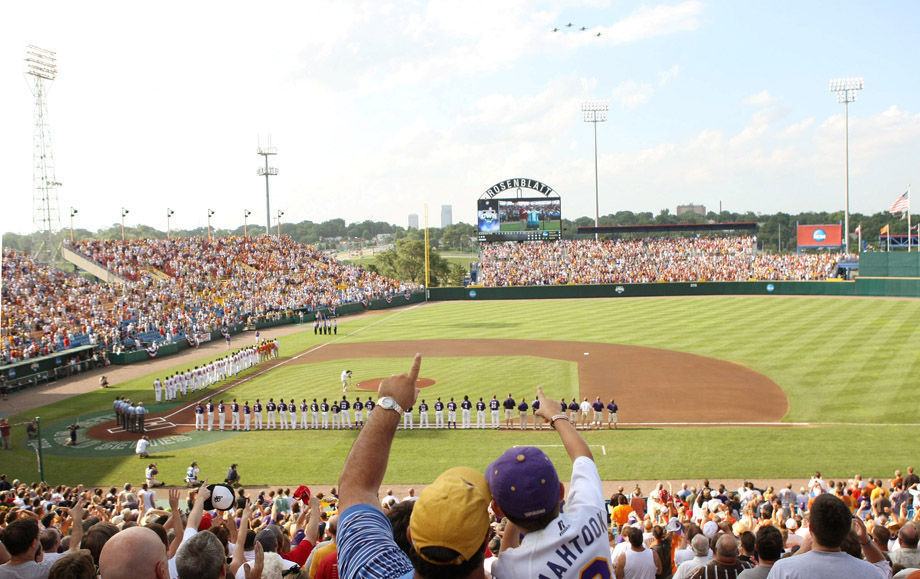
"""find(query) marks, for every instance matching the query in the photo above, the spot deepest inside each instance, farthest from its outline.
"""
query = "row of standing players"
(338, 415)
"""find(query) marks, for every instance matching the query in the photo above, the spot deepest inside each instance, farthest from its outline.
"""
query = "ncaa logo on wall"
(819, 235)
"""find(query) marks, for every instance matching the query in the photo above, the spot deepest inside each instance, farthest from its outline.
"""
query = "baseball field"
(724, 387)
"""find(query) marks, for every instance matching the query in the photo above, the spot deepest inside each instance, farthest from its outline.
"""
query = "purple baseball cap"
(524, 483)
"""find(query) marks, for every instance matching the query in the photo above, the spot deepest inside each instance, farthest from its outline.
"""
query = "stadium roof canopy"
(668, 228)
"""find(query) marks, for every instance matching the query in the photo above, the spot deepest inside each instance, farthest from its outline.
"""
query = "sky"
(377, 109)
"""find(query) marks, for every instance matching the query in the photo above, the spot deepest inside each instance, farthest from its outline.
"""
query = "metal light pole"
(123, 213)
(595, 112)
(72, 213)
(38, 448)
(845, 89)
(267, 172)
(210, 213)
(169, 213)
(246, 214)
(280, 213)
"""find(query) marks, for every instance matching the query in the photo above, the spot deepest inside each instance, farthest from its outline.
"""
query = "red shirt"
(300, 553)
(329, 567)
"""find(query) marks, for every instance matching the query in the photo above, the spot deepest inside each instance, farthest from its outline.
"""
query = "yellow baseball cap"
(452, 512)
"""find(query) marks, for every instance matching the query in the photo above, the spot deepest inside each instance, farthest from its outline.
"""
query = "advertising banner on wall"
(819, 235)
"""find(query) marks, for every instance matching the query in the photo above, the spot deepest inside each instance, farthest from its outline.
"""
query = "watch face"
(387, 403)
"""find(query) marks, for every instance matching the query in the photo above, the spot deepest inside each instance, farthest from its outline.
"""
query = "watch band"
(384, 402)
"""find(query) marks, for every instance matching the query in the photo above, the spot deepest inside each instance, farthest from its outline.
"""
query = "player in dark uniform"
(314, 412)
(369, 405)
(324, 409)
(292, 410)
(480, 414)
(536, 418)
(359, 413)
(494, 405)
(573, 411)
(465, 408)
(336, 418)
(210, 408)
(439, 413)
(304, 407)
(221, 415)
(509, 405)
(598, 407)
(522, 410)
(199, 417)
(257, 414)
(612, 410)
(247, 416)
(423, 414)
(234, 415)
(270, 411)
(344, 405)
(282, 413)
(452, 413)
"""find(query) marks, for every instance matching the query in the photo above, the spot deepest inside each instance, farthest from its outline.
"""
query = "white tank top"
(639, 564)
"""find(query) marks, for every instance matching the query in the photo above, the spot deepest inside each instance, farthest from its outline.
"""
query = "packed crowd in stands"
(173, 288)
(657, 259)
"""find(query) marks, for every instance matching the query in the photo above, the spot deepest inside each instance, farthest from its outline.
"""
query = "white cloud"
(649, 22)
(666, 76)
(631, 94)
(762, 98)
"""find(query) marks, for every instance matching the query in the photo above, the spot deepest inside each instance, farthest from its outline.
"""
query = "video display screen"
(520, 219)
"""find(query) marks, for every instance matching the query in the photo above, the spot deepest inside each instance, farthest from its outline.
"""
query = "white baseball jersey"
(574, 544)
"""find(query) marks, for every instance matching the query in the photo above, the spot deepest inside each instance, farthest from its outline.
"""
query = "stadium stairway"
(90, 266)
(156, 274)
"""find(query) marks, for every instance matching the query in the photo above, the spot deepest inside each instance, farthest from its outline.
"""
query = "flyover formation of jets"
(571, 26)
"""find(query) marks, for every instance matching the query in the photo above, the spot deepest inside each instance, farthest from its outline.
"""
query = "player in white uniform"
(585, 408)
(234, 415)
(423, 414)
(303, 414)
(346, 380)
(570, 544)
(158, 390)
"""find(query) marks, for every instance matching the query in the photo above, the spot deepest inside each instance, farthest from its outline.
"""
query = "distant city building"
(691, 208)
(447, 215)
(413, 221)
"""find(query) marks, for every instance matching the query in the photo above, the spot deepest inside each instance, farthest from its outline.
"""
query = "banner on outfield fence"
(819, 236)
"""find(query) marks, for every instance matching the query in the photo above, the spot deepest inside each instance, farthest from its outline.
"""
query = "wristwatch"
(389, 403)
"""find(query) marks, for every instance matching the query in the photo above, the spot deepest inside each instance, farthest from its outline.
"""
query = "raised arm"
(76, 515)
(572, 441)
(239, 548)
(366, 464)
(194, 517)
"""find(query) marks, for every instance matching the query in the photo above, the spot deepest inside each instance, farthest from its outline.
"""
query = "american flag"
(900, 204)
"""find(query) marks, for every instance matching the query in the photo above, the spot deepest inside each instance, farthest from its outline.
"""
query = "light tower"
(41, 67)
(280, 215)
(169, 214)
(210, 214)
(595, 112)
(246, 214)
(845, 89)
(268, 172)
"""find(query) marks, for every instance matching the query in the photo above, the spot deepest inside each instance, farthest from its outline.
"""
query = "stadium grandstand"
(648, 259)
(167, 288)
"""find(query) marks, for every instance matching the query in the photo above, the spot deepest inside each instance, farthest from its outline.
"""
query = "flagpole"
(859, 239)
(888, 236)
(908, 219)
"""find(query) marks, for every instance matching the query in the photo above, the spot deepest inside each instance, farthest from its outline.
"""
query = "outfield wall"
(861, 287)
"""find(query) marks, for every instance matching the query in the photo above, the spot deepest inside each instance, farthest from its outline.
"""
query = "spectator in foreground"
(134, 553)
(725, 564)
(769, 546)
(820, 557)
(526, 489)
(449, 524)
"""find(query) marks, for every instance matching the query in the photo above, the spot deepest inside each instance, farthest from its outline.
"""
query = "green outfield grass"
(838, 360)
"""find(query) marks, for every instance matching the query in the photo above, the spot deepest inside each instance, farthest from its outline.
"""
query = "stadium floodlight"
(267, 172)
(595, 112)
(123, 213)
(246, 214)
(846, 90)
(72, 213)
(169, 213)
(280, 214)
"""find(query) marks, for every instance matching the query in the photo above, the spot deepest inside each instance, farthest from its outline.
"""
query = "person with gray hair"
(701, 557)
(201, 557)
(907, 555)
(725, 564)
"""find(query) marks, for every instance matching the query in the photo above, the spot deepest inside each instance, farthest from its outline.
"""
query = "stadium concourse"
(172, 289)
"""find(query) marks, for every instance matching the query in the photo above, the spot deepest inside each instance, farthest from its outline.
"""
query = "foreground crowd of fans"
(654, 259)
(517, 519)
(176, 287)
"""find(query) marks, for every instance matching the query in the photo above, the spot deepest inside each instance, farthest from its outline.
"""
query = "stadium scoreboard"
(519, 219)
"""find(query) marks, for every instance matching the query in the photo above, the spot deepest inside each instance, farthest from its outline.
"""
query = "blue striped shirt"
(366, 548)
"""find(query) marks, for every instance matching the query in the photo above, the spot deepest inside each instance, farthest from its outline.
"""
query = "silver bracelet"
(552, 421)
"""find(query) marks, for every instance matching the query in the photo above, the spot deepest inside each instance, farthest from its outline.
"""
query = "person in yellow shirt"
(620, 513)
